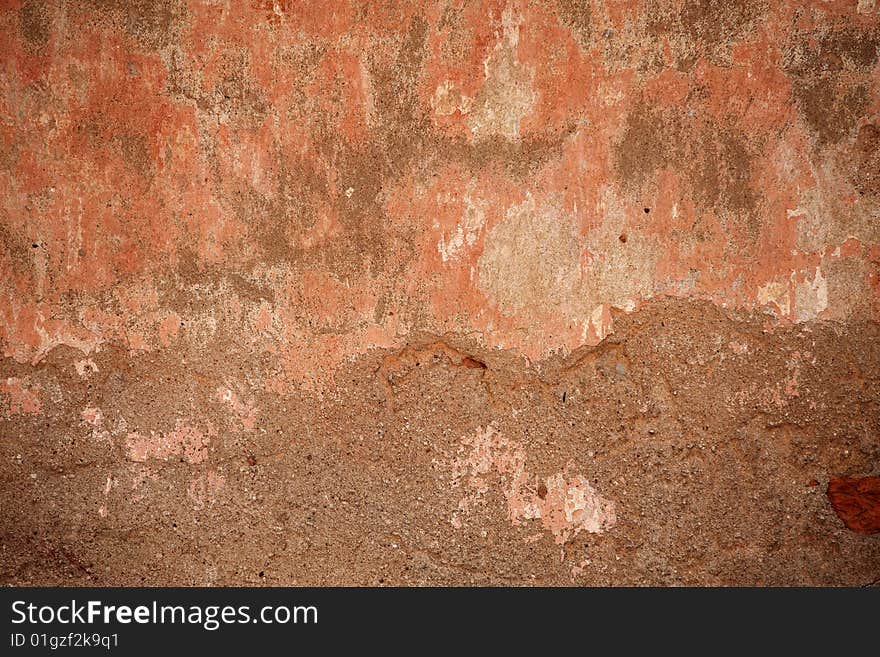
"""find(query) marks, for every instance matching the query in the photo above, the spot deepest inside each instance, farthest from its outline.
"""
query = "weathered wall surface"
(440, 292)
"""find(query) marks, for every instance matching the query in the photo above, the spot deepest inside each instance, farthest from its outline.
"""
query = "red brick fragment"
(856, 501)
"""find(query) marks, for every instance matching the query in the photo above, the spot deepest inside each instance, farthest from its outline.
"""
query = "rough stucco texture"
(576, 292)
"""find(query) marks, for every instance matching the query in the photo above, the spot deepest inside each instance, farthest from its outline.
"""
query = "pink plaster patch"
(203, 489)
(189, 442)
(21, 398)
(92, 415)
(85, 367)
(245, 411)
(738, 348)
(108, 486)
(566, 504)
(169, 329)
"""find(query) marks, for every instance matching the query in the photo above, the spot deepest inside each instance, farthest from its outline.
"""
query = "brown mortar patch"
(154, 24)
(363, 487)
(716, 159)
(578, 16)
(831, 112)
(831, 78)
(35, 22)
(704, 28)
(866, 169)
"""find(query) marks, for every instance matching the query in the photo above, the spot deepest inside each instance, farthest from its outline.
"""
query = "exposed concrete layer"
(688, 448)
(487, 292)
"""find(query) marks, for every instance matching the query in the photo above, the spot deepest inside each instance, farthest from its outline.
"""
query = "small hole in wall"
(622, 238)
(35, 245)
(647, 210)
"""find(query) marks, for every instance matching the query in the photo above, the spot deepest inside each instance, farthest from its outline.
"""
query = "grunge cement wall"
(576, 292)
